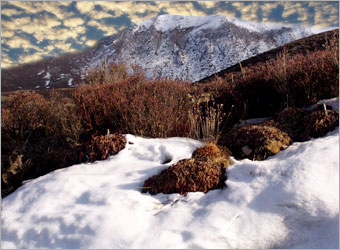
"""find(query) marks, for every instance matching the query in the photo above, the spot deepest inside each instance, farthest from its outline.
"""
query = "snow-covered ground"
(290, 200)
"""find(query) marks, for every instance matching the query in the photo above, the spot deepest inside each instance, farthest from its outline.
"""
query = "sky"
(33, 30)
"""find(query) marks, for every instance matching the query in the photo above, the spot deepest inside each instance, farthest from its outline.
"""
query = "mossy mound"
(318, 123)
(212, 153)
(256, 142)
(203, 172)
(101, 147)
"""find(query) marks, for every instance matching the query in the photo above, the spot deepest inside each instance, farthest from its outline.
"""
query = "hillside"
(312, 43)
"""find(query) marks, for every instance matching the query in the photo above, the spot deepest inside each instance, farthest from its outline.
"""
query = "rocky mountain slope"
(192, 48)
(177, 47)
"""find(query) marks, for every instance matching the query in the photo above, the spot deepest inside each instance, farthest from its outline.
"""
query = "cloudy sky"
(33, 30)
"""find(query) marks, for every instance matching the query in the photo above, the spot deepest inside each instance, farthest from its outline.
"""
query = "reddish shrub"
(157, 108)
(25, 112)
(204, 172)
(286, 81)
(45, 134)
(289, 120)
(102, 147)
(318, 123)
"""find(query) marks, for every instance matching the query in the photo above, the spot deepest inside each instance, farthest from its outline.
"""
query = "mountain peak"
(169, 22)
(192, 47)
(189, 48)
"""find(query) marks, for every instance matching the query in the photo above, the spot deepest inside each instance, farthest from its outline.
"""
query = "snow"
(48, 79)
(41, 72)
(47, 76)
(333, 103)
(70, 82)
(290, 200)
(169, 22)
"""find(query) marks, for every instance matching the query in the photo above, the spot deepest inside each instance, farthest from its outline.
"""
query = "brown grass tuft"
(256, 142)
(103, 146)
(318, 123)
(203, 172)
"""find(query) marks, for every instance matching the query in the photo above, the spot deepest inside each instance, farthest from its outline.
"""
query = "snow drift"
(290, 200)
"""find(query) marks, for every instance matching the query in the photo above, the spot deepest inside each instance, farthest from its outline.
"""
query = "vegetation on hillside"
(42, 134)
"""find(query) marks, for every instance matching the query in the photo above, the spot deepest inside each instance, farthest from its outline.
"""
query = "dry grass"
(206, 118)
(213, 153)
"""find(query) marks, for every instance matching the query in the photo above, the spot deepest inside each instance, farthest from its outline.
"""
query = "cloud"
(20, 42)
(185, 9)
(248, 12)
(28, 7)
(50, 27)
(100, 25)
(6, 62)
(84, 6)
(15, 23)
(90, 42)
(29, 58)
(208, 4)
(11, 12)
(73, 22)
(64, 46)
(7, 33)
(52, 7)
(326, 14)
(28, 25)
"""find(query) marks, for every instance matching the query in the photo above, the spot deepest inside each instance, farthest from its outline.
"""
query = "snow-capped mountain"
(191, 48)
(171, 46)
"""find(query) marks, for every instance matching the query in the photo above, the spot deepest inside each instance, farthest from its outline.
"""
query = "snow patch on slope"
(39, 73)
(48, 79)
(69, 83)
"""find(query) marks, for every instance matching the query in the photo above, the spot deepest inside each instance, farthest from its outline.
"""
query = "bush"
(289, 120)
(40, 136)
(25, 113)
(305, 79)
(318, 123)
(106, 74)
(204, 172)
(255, 142)
(155, 109)
(287, 81)
(102, 147)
